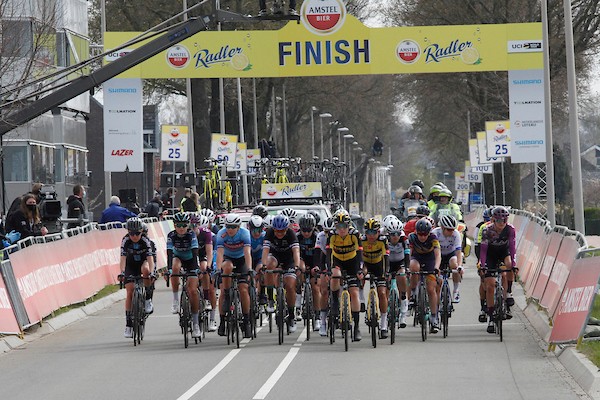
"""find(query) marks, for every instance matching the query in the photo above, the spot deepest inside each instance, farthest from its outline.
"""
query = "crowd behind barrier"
(559, 272)
(44, 273)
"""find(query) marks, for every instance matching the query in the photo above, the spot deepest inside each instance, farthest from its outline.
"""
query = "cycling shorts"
(187, 265)
(377, 273)
(396, 266)
(350, 267)
(239, 267)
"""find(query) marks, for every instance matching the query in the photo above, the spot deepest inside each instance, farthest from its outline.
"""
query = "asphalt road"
(90, 359)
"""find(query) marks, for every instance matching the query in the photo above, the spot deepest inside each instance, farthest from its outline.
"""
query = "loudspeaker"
(166, 180)
(187, 180)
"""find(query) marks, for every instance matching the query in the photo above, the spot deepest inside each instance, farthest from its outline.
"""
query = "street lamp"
(339, 130)
(321, 116)
(312, 126)
(346, 166)
(347, 136)
(445, 175)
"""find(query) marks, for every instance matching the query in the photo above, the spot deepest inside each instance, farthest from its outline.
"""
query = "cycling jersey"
(281, 248)
(373, 252)
(344, 248)
(448, 244)
(136, 254)
(399, 250)
(204, 236)
(257, 247)
(321, 242)
(495, 246)
(182, 246)
(233, 245)
(409, 227)
(425, 247)
(308, 248)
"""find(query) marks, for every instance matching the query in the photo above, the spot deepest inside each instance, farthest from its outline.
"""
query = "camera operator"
(75, 206)
(26, 219)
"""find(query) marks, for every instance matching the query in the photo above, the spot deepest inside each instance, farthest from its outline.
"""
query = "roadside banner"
(240, 158)
(252, 159)
(174, 143)
(576, 300)
(459, 181)
(300, 190)
(472, 176)
(8, 321)
(548, 263)
(569, 248)
(539, 240)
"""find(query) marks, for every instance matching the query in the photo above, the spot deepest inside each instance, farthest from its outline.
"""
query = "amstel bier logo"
(323, 17)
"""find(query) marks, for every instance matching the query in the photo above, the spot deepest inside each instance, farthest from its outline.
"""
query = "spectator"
(75, 206)
(186, 203)
(36, 190)
(154, 206)
(168, 199)
(115, 213)
(377, 147)
(26, 220)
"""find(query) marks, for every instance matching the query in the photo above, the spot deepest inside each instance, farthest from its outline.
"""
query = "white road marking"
(278, 373)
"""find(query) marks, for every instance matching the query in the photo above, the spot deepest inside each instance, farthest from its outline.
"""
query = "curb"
(11, 342)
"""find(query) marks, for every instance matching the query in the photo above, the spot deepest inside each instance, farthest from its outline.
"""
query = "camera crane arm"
(87, 82)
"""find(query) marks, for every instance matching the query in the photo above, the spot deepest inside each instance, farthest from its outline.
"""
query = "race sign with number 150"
(174, 143)
(223, 149)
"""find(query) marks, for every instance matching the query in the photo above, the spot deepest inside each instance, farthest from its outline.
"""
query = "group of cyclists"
(303, 247)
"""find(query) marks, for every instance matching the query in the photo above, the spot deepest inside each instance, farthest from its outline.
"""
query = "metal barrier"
(13, 292)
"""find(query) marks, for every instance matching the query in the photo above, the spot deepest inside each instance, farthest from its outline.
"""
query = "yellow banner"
(350, 49)
(287, 191)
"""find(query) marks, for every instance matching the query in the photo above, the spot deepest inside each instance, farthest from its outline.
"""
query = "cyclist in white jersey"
(450, 244)
(399, 258)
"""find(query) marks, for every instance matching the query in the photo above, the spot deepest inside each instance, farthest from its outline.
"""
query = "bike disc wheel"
(373, 319)
(346, 319)
(280, 314)
(422, 314)
(445, 309)
(307, 309)
(392, 317)
(499, 305)
(185, 317)
(236, 318)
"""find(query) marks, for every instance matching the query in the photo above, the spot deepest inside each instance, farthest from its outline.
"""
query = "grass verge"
(107, 290)
(591, 348)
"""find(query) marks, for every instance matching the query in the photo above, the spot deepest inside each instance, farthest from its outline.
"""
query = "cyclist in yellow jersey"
(376, 263)
(345, 252)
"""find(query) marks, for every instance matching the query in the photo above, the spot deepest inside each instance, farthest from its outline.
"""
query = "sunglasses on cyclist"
(231, 226)
(307, 230)
(503, 220)
(256, 230)
(394, 233)
(342, 225)
(279, 230)
(372, 231)
(131, 233)
(449, 229)
(422, 233)
(181, 225)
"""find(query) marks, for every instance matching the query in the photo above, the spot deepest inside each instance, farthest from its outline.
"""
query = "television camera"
(50, 209)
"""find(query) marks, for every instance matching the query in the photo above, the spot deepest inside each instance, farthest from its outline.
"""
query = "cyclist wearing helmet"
(257, 237)
(412, 199)
(399, 259)
(497, 248)
(418, 183)
(445, 206)
(487, 214)
(451, 249)
(293, 217)
(317, 217)
(432, 199)
(323, 263)
(309, 261)
(182, 253)
(234, 256)
(421, 211)
(345, 252)
(137, 259)
(205, 237)
(281, 250)
(425, 251)
(376, 264)
(260, 210)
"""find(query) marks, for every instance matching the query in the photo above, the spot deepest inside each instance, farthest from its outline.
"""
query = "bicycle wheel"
(307, 306)
(201, 314)
(235, 302)
(280, 313)
(185, 316)
(499, 310)
(445, 308)
(253, 309)
(392, 314)
(136, 314)
(374, 324)
(345, 316)
(422, 312)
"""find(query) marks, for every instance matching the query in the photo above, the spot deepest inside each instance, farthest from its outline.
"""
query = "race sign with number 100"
(174, 143)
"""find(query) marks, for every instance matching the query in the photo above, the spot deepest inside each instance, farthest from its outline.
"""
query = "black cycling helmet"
(316, 215)
(415, 189)
(418, 183)
(307, 222)
(260, 210)
(423, 226)
(423, 210)
(134, 224)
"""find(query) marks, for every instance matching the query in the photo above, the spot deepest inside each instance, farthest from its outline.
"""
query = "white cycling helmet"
(203, 222)
(208, 213)
(256, 221)
(448, 222)
(267, 220)
(290, 213)
(388, 218)
(393, 225)
(233, 219)
(329, 224)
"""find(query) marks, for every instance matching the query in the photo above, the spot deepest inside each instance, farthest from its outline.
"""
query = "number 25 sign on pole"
(174, 143)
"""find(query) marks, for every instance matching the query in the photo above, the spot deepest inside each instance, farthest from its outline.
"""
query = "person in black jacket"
(26, 220)
(168, 199)
(154, 206)
(75, 206)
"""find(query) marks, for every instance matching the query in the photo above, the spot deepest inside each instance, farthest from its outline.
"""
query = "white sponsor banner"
(498, 138)
(174, 143)
(240, 158)
(525, 46)
(471, 176)
(459, 181)
(223, 149)
(482, 146)
(252, 159)
(527, 116)
(123, 125)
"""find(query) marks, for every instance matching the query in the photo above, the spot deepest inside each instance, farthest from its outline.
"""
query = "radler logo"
(323, 16)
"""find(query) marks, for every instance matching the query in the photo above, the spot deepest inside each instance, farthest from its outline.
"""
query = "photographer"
(75, 207)
(26, 220)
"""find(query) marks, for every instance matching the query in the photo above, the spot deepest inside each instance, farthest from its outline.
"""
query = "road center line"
(278, 373)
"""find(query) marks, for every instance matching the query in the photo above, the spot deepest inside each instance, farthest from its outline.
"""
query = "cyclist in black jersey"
(309, 255)
(137, 259)
(281, 250)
